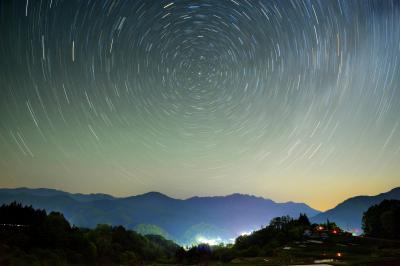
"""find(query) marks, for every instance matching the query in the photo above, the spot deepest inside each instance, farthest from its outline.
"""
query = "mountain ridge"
(348, 214)
(152, 193)
(184, 220)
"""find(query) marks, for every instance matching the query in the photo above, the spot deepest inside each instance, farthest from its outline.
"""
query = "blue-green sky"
(290, 100)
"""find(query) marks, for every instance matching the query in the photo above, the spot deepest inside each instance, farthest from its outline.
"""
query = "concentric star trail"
(294, 100)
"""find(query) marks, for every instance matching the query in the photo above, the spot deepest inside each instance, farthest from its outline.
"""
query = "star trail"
(291, 100)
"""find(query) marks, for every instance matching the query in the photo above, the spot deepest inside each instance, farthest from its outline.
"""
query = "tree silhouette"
(383, 220)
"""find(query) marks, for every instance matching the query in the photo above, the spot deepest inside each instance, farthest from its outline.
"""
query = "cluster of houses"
(324, 231)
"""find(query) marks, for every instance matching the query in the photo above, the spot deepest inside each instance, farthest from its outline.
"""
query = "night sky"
(289, 100)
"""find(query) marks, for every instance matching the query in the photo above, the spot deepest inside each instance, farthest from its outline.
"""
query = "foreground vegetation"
(383, 220)
(33, 237)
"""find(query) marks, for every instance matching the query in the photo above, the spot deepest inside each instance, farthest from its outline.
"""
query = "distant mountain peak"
(153, 194)
(294, 203)
(238, 195)
(231, 196)
(241, 195)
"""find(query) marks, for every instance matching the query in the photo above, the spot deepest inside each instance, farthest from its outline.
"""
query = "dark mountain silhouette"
(55, 192)
(348, 214)
(222, 217)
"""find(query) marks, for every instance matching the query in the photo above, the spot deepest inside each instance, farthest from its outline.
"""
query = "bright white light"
(211, 242)
(245, 233)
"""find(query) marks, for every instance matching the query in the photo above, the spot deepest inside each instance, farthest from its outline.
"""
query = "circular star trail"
(274, 98)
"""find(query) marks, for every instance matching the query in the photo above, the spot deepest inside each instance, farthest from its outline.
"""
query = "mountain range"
(187, 221)
(348, 214)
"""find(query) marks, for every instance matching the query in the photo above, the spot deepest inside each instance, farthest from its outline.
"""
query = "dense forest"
(33, 237)
(383, 220)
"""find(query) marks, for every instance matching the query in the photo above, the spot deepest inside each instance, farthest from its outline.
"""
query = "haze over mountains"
(220, 218)
(185, 221)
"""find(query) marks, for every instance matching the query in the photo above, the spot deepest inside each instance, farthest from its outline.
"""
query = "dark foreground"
(340, 250)
(33, 237)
